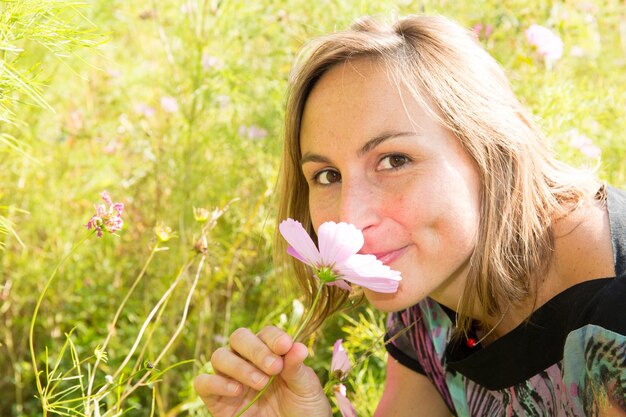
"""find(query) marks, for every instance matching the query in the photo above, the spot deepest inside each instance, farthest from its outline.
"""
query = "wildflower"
(584, 144)
(344, 404)
(144, 109)
(163, 233)
(482, 31)
(549, 45)
(339, 367)
(108, 216)
(209, 61)
(201, 214)
(252, 132)
(169, 104)
(340, 362)
(101, 354)
(337, 262)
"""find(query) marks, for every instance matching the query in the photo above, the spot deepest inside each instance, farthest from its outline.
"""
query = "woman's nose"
(358, 205)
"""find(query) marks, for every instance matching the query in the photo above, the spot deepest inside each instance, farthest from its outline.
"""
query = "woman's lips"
(388, 257)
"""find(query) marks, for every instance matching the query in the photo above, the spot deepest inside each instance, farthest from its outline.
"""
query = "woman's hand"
(242, 370)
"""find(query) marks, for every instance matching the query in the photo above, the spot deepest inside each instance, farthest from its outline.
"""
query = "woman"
(513, 264)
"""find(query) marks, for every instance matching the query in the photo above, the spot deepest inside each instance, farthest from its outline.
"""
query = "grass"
(171, 105)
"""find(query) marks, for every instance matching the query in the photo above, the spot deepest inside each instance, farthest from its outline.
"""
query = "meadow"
(175, 108)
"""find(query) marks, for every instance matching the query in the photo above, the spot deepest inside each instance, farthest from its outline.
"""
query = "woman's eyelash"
(395, 160)
(336, 176)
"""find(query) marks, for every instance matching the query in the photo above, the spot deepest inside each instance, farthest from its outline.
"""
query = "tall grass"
(181, 108)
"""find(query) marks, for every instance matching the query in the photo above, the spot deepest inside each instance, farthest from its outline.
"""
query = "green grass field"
(172, 105)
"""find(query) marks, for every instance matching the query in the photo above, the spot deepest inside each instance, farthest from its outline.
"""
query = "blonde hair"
(523, 187)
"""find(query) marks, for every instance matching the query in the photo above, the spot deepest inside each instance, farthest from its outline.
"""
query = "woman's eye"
(327, 176)
(392, 162)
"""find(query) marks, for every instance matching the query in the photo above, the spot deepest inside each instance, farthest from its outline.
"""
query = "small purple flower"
(108, 216)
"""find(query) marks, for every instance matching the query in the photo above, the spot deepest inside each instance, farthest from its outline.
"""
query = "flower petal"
(344, 404)
(291, 251)
(340, 360)
(370, 273)
(300, 242)
(340, 283)
(105, 196)
(338, 241)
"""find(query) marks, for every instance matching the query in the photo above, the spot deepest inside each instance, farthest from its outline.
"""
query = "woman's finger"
(299, 378)
(251, 347)
(231, 365)
(216, 385)
(279, 341)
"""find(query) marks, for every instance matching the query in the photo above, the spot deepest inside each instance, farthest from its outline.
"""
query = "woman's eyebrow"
(313, 157)
(368, 146)
(377, 140)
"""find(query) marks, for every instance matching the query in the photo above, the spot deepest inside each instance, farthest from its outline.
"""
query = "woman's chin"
(386, 302)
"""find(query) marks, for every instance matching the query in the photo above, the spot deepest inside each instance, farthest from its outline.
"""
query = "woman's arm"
(408, 394)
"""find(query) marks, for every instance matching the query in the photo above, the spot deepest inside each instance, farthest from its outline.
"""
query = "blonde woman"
(513, 264)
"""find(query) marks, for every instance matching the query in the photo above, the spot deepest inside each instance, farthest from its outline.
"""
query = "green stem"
(296, 335)
(309, 313)
(120, 308)
(31, 332)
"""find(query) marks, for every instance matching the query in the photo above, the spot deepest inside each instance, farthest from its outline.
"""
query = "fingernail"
(232, 386)
(269, 361)
(257, 377)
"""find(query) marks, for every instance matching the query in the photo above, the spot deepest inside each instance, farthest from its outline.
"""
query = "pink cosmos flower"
(344, 404)
(584, 144)
(548, 44)
(340, 362)
(108, 216)
(337, 261)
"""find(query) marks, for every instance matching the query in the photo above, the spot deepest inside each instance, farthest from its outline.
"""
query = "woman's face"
(373, 157)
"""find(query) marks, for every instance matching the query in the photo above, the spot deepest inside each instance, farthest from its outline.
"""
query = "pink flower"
(548, 45)
(169, 104)
(108, 216)
(584, 144)
(340, 363)
(344, 404)
(337, 261)
(253, 132)
(482, 31)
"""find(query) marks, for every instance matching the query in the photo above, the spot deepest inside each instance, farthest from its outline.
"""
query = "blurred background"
(172, 105)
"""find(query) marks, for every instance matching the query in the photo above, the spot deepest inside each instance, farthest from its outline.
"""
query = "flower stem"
(296, 335)
(116, 317)
(309, 313)
(31, 332)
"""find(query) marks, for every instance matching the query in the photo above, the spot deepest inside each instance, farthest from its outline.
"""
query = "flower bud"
(201, 245)
(201, 214)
